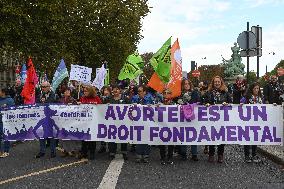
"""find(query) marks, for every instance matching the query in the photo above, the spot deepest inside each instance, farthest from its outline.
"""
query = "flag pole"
(79, 91)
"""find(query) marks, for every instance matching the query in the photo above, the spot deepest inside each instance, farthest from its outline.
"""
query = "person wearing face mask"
(272, 91)
(5, 101)
(217, 94)
(253, 96)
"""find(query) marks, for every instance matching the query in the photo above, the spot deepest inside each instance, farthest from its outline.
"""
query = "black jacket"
(49, 97)
(211, 97)
(272, 92)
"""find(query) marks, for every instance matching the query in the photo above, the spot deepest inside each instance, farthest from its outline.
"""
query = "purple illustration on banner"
(22, 134)
(75, 134)
(47, 125)
(188, 111)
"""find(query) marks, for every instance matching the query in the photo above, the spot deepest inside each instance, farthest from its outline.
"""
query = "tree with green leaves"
(148, 69)
(251, 77)
(85, 32)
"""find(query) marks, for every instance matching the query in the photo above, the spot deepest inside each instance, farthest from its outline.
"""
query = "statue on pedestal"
(234, 66)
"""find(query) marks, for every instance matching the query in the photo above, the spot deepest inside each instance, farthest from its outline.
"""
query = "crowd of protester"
(216, 92)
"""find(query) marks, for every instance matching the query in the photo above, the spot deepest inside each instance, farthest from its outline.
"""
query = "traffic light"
(193, 65)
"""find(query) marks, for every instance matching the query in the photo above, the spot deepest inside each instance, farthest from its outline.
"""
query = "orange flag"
(176, 74)
(176, 70)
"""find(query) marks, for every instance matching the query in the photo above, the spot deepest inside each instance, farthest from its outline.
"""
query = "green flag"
(136, 59)
(161, 61)
(131, 68)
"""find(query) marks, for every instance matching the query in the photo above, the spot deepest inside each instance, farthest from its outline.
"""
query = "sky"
(209, 28)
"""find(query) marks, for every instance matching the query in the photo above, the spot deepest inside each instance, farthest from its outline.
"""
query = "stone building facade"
(8, 63)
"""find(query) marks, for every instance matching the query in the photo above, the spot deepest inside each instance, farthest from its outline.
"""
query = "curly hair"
(223, 86)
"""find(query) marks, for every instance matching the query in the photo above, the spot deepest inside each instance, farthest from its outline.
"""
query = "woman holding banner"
(117, 98)
(69, 146)
(89, 97)
(253, 96)
(217, 94)
(105, 97)
(189, 96)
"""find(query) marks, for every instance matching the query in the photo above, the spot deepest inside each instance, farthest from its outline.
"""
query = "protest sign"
(81, 74)
(154, 125)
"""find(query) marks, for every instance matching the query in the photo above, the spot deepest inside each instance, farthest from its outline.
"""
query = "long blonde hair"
(91, 90)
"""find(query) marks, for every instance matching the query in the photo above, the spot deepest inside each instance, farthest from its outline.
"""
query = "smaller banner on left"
(29, 123)
(22, 122)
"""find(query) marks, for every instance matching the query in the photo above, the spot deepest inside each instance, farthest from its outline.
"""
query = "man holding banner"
(47, 96)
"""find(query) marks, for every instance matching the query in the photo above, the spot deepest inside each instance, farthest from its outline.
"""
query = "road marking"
(110, 178)
(43, 171)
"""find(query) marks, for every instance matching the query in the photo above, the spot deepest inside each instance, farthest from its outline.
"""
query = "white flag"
(100, 77)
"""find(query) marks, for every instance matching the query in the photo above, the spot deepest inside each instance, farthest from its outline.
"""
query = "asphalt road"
(234, 173)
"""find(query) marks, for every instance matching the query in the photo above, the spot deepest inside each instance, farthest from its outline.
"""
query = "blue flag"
(23, 73)
(60, 74)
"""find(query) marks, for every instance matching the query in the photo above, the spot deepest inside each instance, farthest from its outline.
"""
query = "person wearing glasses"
(46, 96)
(166, 151)
(142, 150)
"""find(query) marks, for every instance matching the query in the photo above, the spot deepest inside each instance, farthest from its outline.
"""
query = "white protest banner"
(157, 125)
(23, 123)
(80, 73)
(101, 74)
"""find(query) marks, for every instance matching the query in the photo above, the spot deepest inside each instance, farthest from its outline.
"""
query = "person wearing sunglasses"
(46, 96)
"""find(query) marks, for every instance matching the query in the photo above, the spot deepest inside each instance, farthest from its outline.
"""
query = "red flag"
(176, 74)
(28, 92)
